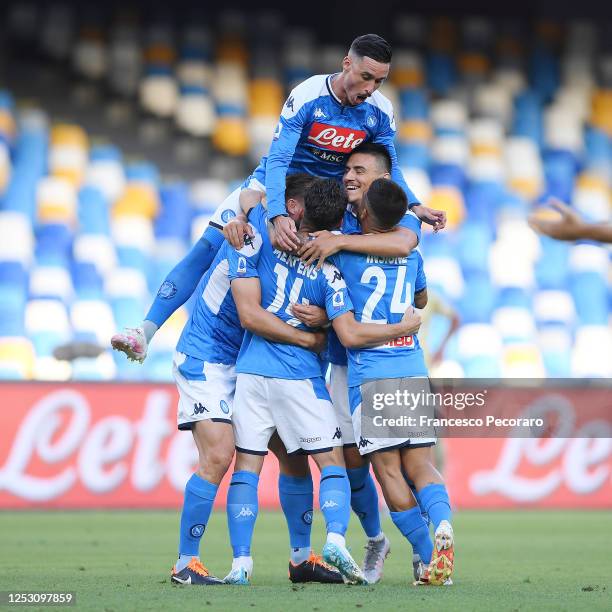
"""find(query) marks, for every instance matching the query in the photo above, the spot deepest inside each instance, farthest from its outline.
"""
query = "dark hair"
(373, 46)
(387, 202)
(380, 152)
(324, 204)
(297, 184)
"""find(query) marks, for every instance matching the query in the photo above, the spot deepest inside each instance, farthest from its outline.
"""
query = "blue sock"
(434, 498)
(296, 500)
(416, 496)
(197, 505)
(242, 511)
(364, 499)
(415, 530)
(334, 498)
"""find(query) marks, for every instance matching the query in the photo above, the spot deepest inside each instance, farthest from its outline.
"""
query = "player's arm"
(256, 319)
(386, 137)
(284, 142)
(570, 226)
(235, 230)
(420, 284)
(355, 335)
(420, 298)
(399, 242)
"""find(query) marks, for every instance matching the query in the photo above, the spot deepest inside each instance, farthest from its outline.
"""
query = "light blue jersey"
(336, 353)
(381, 289)
(284, 280)
(213, 332)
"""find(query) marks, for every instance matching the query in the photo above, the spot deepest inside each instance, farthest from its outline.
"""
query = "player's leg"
(364, 502)
(253, 427)
(205, 400)
(306, 422)
(296, 497)
(419, 468)
(405, 512)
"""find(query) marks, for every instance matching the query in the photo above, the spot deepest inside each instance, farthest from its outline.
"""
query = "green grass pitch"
(121, 560)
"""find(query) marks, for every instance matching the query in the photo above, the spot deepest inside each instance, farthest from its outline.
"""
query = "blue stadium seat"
(474, 240)
(590, 293)
(551, 268)
(476, 305)
(447, 174)
(414, 104)
(413, 154)
(93, 212)
(88, 284)
(560, 169)
(53, 244)
(174, 218)
(441, 72)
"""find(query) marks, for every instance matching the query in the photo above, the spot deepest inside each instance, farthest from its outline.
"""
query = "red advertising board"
(99, 445)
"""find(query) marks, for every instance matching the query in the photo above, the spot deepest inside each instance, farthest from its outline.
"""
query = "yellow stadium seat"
(443, 36)
(407, 77)
(68, 134)
(415, 130)
(231, 136)
(160, 54)
(522, 360)
(232, 49)
(137, 199)
(474, 63)
(488, 149)
(587, 180)
(265, 98)
(17, 357)
(529, 188)
(450, 200)
(56, 201)
(7, 124)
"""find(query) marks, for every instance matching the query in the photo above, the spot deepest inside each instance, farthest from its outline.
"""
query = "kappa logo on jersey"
(241, 265)
(199, 409)
(338, 299)
(335, 138)
(319, 114)
(248, 241)
(289, 103)
(245, 513)
(337, 435)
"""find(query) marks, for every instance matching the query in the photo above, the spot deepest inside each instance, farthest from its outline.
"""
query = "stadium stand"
(492, 119)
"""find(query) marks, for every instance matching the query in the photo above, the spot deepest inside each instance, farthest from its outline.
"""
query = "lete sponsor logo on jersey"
(335, 138)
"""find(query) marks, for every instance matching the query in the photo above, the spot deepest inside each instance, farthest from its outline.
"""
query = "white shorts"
(338, 390)
(230, 207)
(206, 390)
(372, 445)
(299, 410)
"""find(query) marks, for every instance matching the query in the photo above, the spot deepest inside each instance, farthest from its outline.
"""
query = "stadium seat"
(94, 319)
(96, 249)
(51, 282)
(47, 325)
(16, 359)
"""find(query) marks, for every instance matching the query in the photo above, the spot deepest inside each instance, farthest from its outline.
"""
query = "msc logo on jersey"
(371, 121)
(224, 407)
(338, 299)
(241, 265)
(228, 214)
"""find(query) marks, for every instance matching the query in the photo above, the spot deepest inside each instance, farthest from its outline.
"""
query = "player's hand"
(411, 321)
(431, 216)
(285, 235)
(319, 341)
(310, 315)
(235, 230)
(323, 245)
(568, 227)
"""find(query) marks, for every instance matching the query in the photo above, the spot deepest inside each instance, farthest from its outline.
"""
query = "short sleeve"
(337, 300)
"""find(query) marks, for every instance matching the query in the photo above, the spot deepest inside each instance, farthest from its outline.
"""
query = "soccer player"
(380, 289)
(368, 162)
(281, 388)
(205, 376)
(323, 120)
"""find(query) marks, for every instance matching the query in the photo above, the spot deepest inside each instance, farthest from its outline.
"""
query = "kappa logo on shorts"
(363, 442)
(224, 407)
(199, 409)
(337, 435)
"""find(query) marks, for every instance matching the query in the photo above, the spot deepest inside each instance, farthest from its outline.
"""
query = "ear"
(386, 175)
(347, 63)
(294, 209)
